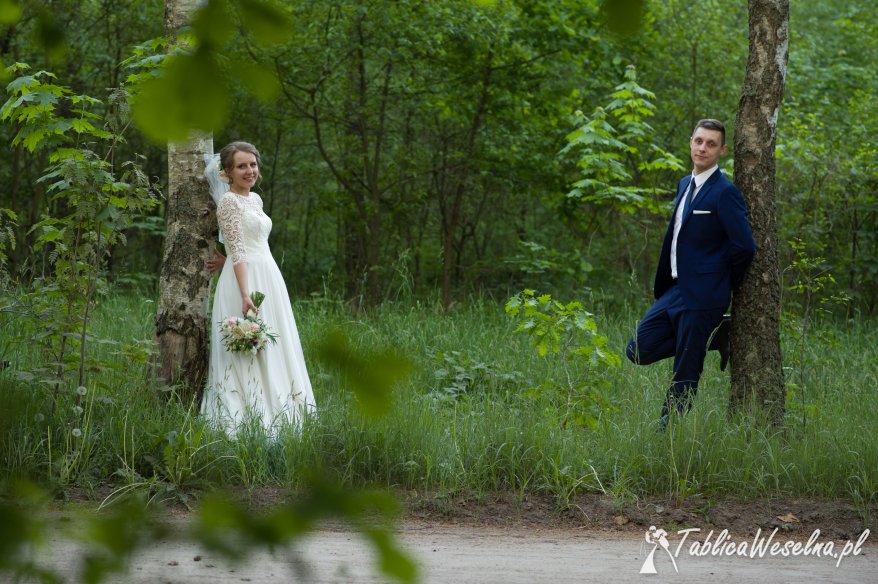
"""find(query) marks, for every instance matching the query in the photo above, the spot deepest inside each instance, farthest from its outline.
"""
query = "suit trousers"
(669, 329)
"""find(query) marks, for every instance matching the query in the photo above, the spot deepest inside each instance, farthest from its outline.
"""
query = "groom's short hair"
(711, 124)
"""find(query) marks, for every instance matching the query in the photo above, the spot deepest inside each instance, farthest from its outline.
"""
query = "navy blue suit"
(714, 249)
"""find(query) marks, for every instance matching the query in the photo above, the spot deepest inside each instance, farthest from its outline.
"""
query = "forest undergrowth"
(481, 412)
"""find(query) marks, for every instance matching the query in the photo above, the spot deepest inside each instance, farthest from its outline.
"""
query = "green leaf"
(114, 538)
(120, 202)
(190, 94)
(392, 560)
(10, 11)
(542, 348)
(372, 376)
(212, 24)
(19, 83)
(266, 21)
(80, 126)
(30, 139)
(259, 79)
(50, 234)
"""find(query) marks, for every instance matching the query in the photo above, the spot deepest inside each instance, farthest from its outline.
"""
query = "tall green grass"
(490, 433)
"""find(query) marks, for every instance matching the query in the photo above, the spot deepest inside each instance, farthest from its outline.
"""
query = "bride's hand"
(248, 306)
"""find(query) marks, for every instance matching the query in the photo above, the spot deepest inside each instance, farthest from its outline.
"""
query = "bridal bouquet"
(246, 334)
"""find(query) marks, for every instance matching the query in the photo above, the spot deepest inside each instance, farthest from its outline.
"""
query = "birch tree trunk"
(757, 372)
(182, 327)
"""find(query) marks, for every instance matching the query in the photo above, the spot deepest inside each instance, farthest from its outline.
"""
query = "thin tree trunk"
(452, 217)
(182, 328)
(757, 371)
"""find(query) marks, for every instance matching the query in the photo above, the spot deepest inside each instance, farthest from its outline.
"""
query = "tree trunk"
(178, 13)
(757, 372)
(452, 217)
(182, 328)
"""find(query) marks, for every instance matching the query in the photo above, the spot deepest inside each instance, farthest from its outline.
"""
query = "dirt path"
(471, 554)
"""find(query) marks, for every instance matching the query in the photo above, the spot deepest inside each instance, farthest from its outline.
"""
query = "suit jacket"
(714, 247)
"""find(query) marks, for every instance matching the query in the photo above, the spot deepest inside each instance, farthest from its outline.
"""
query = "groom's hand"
(216, 262)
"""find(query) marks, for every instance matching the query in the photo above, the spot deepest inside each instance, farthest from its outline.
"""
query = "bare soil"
(794, 516)
(836, 519)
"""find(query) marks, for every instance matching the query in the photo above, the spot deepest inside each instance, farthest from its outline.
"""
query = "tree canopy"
(423, 147)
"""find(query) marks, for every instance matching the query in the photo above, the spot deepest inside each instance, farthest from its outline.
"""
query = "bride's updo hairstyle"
(227, 154)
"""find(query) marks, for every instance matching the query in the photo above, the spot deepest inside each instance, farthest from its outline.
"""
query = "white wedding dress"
(272, 386)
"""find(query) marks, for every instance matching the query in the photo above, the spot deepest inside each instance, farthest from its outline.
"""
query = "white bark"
(179, 12)
(182, 327)
(756, 363)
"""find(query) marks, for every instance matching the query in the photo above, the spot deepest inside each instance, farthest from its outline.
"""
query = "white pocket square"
(700, 212)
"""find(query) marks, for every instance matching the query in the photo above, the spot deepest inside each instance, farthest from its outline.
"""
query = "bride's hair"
(227, 154)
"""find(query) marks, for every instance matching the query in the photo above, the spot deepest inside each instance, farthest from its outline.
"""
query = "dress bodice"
(244, 225)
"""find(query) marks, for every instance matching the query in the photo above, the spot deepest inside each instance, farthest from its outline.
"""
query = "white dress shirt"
(699, 179)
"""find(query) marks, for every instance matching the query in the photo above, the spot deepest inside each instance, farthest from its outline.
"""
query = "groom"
(706, 252)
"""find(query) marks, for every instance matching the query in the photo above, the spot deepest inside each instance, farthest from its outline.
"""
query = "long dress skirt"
(272, 386)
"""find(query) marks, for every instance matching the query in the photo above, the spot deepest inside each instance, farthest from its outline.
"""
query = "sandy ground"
(472, 554)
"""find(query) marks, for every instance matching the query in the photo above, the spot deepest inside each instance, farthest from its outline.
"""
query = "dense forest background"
(427, 149)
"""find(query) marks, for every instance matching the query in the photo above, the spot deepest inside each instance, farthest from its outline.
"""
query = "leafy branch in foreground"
(109, 540)
(190, 87)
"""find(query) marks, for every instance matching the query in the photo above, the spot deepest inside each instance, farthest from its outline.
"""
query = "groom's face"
(706, 147)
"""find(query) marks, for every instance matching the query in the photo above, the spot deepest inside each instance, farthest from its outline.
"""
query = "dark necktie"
(690, 194)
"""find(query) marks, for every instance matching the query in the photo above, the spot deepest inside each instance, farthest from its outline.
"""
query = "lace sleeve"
(229, 217)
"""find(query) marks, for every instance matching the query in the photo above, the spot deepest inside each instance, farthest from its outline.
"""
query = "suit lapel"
(679, 200)
(705, 189)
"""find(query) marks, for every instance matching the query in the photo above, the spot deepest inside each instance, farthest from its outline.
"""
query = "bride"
(272, 386)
